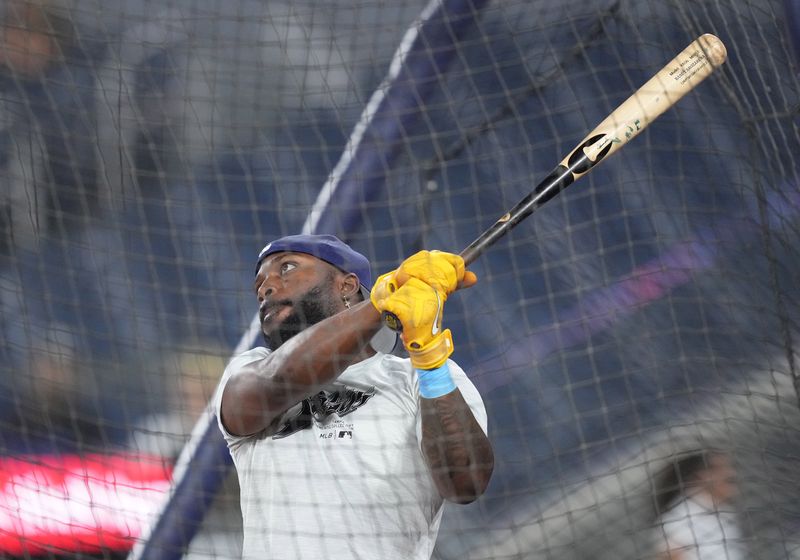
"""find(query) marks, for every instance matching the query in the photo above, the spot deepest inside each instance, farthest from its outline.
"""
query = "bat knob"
(391, 321)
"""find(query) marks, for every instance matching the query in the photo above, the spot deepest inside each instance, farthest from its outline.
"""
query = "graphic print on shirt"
(318, 409)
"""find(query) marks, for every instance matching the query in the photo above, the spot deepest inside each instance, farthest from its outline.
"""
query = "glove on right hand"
(445, 272)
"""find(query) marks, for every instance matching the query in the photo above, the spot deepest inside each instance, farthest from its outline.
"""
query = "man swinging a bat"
(343, 451)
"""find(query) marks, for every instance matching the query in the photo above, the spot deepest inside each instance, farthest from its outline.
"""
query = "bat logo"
(579, 163)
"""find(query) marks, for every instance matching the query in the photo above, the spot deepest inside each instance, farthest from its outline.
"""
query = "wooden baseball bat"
(684, 72)
(694, 64)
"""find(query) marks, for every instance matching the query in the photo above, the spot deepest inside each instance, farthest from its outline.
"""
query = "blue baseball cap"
(328, 248)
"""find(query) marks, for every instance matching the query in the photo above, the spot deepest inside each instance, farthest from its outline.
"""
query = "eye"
(287, 267)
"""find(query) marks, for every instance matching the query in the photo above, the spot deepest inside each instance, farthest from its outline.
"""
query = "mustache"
(307, 309)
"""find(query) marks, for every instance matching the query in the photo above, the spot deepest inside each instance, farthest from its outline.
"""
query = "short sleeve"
(699, 531)
(242, 363)
(470, 394)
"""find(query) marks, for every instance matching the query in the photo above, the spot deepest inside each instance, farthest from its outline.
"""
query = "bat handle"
(475, 249)
(470, 255)
(549, 187)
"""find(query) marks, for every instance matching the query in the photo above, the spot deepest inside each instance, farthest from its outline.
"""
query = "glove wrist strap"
(434, 353)
(435, 383)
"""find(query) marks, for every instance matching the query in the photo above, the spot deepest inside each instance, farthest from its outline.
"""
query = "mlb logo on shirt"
(345, 434)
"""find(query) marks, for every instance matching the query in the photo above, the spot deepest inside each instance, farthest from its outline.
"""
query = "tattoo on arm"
(458, 453)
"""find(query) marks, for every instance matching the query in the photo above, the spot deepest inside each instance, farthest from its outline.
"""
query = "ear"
(348, 285)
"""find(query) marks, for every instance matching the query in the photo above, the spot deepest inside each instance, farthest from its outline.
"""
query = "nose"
(265, 289)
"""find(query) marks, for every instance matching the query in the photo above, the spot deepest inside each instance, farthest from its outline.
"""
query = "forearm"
(322, 352)
(458, 453)
(299, 368)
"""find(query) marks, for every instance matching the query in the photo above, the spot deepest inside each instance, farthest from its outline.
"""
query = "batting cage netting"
(631, 338)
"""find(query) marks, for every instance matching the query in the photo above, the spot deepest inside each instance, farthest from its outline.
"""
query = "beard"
(309, 309)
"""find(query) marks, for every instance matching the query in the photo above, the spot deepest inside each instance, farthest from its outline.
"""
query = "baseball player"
(342, 450)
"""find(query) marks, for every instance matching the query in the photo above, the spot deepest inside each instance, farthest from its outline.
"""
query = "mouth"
(275, 312)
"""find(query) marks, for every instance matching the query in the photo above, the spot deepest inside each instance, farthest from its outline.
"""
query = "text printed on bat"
(688, 68)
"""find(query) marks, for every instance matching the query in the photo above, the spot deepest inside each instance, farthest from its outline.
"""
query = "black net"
(641, 322)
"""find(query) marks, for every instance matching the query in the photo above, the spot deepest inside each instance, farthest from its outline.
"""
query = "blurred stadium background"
(148, 150)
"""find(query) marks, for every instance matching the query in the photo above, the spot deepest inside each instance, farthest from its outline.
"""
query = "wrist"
(434, 353)
(434, 383)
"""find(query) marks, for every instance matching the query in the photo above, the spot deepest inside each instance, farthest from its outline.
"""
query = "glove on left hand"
(419, 308)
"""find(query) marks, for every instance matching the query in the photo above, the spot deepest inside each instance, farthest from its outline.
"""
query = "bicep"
(249, 402)
(244, 407)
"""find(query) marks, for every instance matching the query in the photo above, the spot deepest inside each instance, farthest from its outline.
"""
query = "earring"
(346, 302)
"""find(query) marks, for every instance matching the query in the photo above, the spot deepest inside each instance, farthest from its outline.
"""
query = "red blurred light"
(78, 503)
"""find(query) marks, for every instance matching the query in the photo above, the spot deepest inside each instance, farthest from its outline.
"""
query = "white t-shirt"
(344, 476)
(699, 531)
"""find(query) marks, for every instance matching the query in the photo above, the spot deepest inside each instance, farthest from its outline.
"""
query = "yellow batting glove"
(384, 287)
(419, 308)
(444, 272)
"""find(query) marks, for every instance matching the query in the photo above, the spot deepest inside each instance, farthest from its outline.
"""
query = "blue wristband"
(435, 383)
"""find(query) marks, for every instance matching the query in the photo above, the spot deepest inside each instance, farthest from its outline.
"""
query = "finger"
(469, 280)
(439, 269)
(455, 261)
